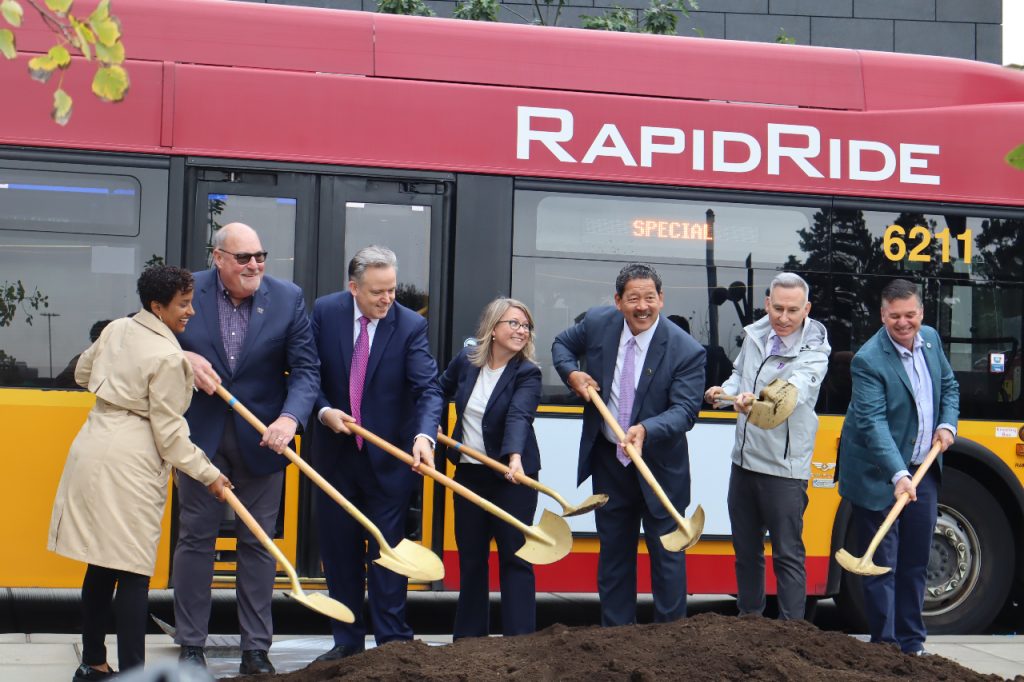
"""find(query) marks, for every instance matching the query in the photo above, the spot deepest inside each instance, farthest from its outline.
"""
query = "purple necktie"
(627, 391)
(360, 358)
(776, 345)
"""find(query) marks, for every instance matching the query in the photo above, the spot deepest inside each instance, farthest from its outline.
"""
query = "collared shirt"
(787, 341)
(643, 342)
(371, 328)
(916, 367)
(234, 322)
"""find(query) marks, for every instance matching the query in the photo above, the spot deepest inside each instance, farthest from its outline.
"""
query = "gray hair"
(372, 256)
(791, 280)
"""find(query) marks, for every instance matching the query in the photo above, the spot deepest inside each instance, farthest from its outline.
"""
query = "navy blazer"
(276, 372)
(881, 424)
(401, 395)
(668, 395)
(508, 418)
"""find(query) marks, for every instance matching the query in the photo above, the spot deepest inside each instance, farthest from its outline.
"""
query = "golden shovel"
(689, 530)
(317, 601)
(587, 505)
(774, 405)
(863, 565)
(406, 558)
(546, 542)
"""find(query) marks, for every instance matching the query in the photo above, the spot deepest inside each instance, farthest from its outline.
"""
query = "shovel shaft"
(486, 505)
(638, 461)
(723, 398)
(498, 466)
(305, 468)
(901, 501)
(254, 526)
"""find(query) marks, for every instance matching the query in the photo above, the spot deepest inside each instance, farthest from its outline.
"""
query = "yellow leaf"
(101, 12)
(83, 38)
(110, 55)
(7, 48)
(108, 31)
(1016, 157)
(110, 83)
(41, 68)
(59, 7)
(12, 12)
(60, 56)
(61, 107)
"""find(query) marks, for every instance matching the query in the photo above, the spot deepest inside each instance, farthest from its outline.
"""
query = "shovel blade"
(586, 506)
(553, 541)
(321, 603)
(776, 404)
(859, 565)
(687, 534)
(412, 560)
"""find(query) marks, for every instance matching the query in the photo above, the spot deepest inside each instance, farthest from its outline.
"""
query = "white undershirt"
(473, 415)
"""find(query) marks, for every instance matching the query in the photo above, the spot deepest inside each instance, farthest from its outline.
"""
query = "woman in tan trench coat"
(112, 493)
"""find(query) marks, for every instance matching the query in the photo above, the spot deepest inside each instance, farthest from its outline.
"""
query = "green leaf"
(110, 55)
(60, 56)
(61, 107)
(41, 68)
(7, 47)
(108, 31)
(12, 12)
(101, 13)
(1016, 157)
(59, 7)
(84, 38)
(110, 83)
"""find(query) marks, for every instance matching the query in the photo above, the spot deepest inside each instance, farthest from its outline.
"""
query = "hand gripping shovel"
(587, 505)
(689, 530)
(546, 542)
(406, 558)
(320, 603)
(774, 406)
(863, 565)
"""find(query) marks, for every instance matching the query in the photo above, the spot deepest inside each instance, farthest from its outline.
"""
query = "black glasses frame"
(244, 258)
(516, 324)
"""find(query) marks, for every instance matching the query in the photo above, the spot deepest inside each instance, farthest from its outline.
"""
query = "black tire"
(970, 569)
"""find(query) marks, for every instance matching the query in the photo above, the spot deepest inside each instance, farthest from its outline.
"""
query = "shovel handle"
(723, 398)
(498, 466)
(638, 461)
(306, 468)
(902, 500)
(454, 486)
(254, 526)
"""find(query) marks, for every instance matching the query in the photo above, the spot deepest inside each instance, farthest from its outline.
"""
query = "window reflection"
(273, 218)
(403, 229)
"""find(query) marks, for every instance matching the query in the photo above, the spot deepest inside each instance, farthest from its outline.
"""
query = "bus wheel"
(972, 559)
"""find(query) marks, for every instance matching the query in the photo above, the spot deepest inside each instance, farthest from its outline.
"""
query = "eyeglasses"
(515, 325)
(243, 258)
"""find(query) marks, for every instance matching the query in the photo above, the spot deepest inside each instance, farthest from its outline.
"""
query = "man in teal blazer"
(905, 399)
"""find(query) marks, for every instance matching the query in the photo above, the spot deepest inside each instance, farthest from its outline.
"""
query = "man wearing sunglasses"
(252, 334)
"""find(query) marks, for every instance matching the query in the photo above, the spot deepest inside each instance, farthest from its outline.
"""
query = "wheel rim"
(953, 563)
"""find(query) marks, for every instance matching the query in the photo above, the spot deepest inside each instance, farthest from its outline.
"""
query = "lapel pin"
(650, 371)
(259, 310)
(928, 345)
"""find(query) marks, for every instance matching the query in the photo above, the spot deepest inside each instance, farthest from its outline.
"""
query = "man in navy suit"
(363, 333)
(251, 332)
(905, 400)
(667, 368)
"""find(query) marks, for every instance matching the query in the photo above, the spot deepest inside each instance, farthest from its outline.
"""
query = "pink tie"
(360, 358)
(627, 391)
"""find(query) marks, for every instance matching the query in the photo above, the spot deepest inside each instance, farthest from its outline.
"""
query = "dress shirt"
(473, 415)
(643, 342)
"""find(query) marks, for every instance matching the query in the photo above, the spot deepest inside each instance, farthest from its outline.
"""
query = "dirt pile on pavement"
(705, 647)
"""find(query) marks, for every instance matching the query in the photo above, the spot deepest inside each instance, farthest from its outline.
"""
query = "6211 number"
(894, 243)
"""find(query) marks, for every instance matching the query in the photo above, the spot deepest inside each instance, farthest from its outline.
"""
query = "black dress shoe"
(339, 652)
(87, 673)
(192, 654)
(254, 662)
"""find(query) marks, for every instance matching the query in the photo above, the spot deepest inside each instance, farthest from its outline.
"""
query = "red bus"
(532, 162)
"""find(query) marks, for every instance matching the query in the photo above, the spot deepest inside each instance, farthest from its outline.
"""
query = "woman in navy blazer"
(496, 388)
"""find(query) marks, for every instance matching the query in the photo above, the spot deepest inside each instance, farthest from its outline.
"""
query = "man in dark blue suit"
(667, 371)
(905, 400)
(251, 332)
(376, 369)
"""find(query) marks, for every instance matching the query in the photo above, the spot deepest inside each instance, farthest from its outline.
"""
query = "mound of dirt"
(705, 647)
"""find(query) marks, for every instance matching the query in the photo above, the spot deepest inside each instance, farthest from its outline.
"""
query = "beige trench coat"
(112, 493)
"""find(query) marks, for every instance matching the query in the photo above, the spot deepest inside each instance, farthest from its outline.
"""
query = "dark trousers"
(758, 503)
(893, 602)
(128, 610)
(474, 529)
(618, 529)
(347, 552)
(199, 519)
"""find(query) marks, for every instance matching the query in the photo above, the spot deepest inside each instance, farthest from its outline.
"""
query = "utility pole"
(49, 337)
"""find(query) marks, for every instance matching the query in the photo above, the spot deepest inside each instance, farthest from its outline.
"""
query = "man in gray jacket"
(770, 468)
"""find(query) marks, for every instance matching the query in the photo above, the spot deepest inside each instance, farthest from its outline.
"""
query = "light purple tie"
(360, 357)
(627, 391)
(776, 345)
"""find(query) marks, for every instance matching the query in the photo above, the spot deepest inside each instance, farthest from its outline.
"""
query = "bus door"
(406, 216)
(281, 208)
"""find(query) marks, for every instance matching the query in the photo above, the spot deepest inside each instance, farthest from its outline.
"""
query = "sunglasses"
(243, 258)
